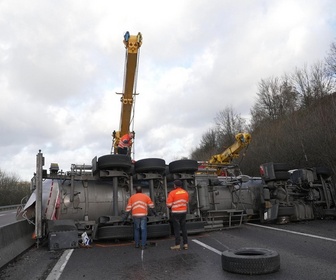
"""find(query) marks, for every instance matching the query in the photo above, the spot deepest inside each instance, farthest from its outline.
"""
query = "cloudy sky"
(62, 62)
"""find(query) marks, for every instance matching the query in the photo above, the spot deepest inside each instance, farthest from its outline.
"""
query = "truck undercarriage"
(91, 199)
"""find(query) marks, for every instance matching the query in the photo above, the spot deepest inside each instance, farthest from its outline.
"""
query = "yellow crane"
(242, 141)
(132, 44)
(221, 162)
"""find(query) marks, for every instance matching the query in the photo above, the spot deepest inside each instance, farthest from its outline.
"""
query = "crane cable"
(243, 154)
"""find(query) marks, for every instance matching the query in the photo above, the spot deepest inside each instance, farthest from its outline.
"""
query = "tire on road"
(251, 261)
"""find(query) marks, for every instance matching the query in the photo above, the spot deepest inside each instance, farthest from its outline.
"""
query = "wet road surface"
(307, 251)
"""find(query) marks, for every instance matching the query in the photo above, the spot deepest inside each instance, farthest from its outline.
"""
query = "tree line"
(12, 189)
(293, 120)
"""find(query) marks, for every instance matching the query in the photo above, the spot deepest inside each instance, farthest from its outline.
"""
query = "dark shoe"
(136, 245)
(144, 247)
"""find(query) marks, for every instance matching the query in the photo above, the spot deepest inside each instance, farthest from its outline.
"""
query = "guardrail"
(9, 207)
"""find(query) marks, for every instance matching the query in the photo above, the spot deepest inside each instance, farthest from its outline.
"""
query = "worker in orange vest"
(138, 204)
(177, 201)
(125, 143)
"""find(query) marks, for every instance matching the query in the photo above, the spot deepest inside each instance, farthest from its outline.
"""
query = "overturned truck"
(91, 199)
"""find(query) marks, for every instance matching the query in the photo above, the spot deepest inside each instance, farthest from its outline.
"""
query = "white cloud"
(61, 65)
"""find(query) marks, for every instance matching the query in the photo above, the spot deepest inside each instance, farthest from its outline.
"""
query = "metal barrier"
(15, 238)
(9, 207)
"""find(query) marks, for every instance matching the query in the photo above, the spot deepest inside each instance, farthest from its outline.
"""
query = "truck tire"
(281, 167)
(325, 172)
(251, 261)
(286, 211)
(183, 165)
(158, 230)
(282, 175)
(150, 165)
(114, 161)
(115, 232)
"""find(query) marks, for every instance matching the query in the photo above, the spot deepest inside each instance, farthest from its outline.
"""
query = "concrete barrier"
(15, 238)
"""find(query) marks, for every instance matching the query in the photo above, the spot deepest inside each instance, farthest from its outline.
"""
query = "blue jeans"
(140, 230)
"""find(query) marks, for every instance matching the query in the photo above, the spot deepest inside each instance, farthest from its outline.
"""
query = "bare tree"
(230, 123)
(12, 190)
(207, 147)
(227, 125)
(331, 61)
(276, 98)
(312, 85)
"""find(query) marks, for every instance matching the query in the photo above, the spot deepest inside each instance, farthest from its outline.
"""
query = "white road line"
(207, 246)
(60, 265)
(294, 232)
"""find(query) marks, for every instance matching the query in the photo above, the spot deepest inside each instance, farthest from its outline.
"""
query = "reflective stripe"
(139, 204)
(178, 200)
(127, 139)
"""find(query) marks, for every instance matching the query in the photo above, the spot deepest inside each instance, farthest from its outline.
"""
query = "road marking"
(207, 246)
(55, 274)
(294, 232)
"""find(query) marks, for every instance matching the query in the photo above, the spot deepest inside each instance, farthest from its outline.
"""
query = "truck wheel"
(183, 165)
(150, 164)
(325, 172)
(281, 166)
(282, 175)
(158, 230)
(114, 161)
(251, 261)
(286, 211)
(115, 232)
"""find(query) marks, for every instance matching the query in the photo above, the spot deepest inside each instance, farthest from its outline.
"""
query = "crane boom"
(242, 141)
(132, 44)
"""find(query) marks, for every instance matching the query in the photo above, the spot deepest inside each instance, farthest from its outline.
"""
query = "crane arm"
(242, 141)
(132, 44)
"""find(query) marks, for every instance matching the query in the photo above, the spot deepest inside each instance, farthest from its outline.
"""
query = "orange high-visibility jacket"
(178, 200)
(125, 141)
(139, 204)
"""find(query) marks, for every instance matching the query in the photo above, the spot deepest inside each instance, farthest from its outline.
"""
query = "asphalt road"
(7, 217)
(306, 249)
